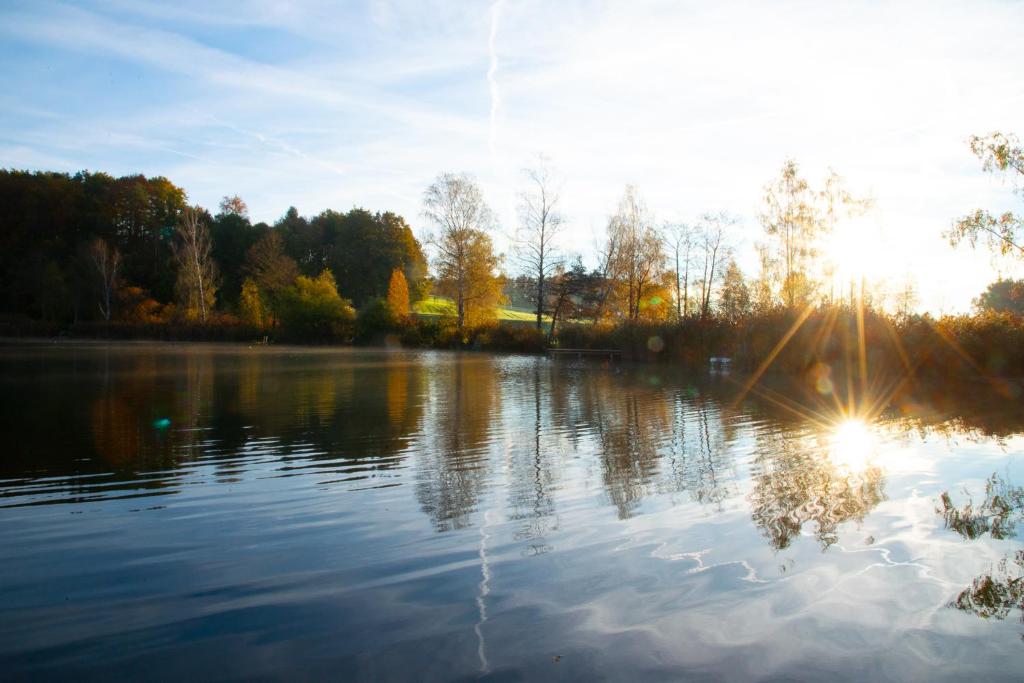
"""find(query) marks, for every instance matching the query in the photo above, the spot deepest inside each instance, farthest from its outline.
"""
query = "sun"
(855, 252)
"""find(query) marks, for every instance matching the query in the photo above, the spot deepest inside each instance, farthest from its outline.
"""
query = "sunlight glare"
(855, 252)
(853, 444)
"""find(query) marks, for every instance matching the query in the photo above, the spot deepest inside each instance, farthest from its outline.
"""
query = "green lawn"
(441, 306)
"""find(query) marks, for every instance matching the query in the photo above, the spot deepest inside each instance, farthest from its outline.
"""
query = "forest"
(91, 255)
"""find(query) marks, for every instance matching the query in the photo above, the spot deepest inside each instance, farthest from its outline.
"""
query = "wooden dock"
(580, 354)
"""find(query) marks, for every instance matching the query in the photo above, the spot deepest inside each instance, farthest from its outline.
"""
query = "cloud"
(492, 74)
(322, 105)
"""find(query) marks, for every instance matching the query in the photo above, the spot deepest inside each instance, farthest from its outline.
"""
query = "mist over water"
(227, 512)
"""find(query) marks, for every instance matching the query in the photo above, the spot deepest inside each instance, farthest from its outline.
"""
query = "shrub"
(505, 337)
(377, 321)
(312, 310)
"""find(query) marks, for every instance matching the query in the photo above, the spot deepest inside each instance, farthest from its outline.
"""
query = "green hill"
(437, 306)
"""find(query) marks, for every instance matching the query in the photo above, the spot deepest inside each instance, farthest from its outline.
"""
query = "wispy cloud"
(492, 76)
(337, 104)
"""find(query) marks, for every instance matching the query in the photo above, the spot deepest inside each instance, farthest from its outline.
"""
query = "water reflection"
(825, 479)
(463, 420)
(533, 462)
(454, 456)
(998, 513)
(404, 509)
(997, 592)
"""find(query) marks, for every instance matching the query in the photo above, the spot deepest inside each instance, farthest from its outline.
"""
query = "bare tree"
(715, 250)
(539, 223)
(106, 262)
(197, 272)
(680, 239)
(608, 255)
(465, 260)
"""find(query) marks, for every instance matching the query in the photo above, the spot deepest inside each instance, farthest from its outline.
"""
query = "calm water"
(222, 512)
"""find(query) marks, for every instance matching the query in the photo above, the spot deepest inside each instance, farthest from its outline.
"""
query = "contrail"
(492, 80)
(484, 590)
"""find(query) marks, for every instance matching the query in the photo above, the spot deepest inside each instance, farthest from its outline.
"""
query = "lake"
(218, 512)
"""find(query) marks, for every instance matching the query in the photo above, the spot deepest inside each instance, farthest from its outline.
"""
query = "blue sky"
(334, 105)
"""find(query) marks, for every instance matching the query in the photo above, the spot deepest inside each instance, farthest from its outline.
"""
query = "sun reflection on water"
(853, 445)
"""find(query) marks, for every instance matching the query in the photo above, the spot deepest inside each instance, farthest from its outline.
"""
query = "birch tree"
(636, 258)
(465, 261)
(196, 286)
(714, 248)
(539, 223)
(1004, 234)
(796, 218)
(106, 266)
(790, 218)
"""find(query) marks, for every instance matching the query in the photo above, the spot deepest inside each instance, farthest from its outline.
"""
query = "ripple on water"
(372, 515)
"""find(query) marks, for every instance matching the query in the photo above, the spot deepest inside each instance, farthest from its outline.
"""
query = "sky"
(362, 104)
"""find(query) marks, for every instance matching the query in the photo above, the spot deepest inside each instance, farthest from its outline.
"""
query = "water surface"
(219, 512)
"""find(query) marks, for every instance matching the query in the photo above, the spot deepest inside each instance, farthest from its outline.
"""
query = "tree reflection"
(997, 592)
(654, 439)
(997, 515)
(1000, 590)
(797, 482)
(453, 462)
(700, 457)
(160, 408)
(532, 460)
(975, 411)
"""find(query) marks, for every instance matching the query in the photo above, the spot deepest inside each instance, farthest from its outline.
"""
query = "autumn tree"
(539, 224)
(465, 262)
(196, 285)
(270, 269)
(789, 218)
(999, 153)
(234, 205)
(250, 304)
(636, 258)
(796, 218)
(473, 279)
(398, 295)
(734, 301)
(312, 309)
(106, 266)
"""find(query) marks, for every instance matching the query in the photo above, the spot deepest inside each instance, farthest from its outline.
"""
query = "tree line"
(91, 248)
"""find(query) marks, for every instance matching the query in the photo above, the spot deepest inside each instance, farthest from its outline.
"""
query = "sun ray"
(774, 352)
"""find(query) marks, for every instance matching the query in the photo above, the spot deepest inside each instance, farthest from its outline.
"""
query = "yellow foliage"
(398, 294)
(251, 306)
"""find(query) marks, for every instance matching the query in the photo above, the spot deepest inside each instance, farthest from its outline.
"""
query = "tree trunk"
(540, 296)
